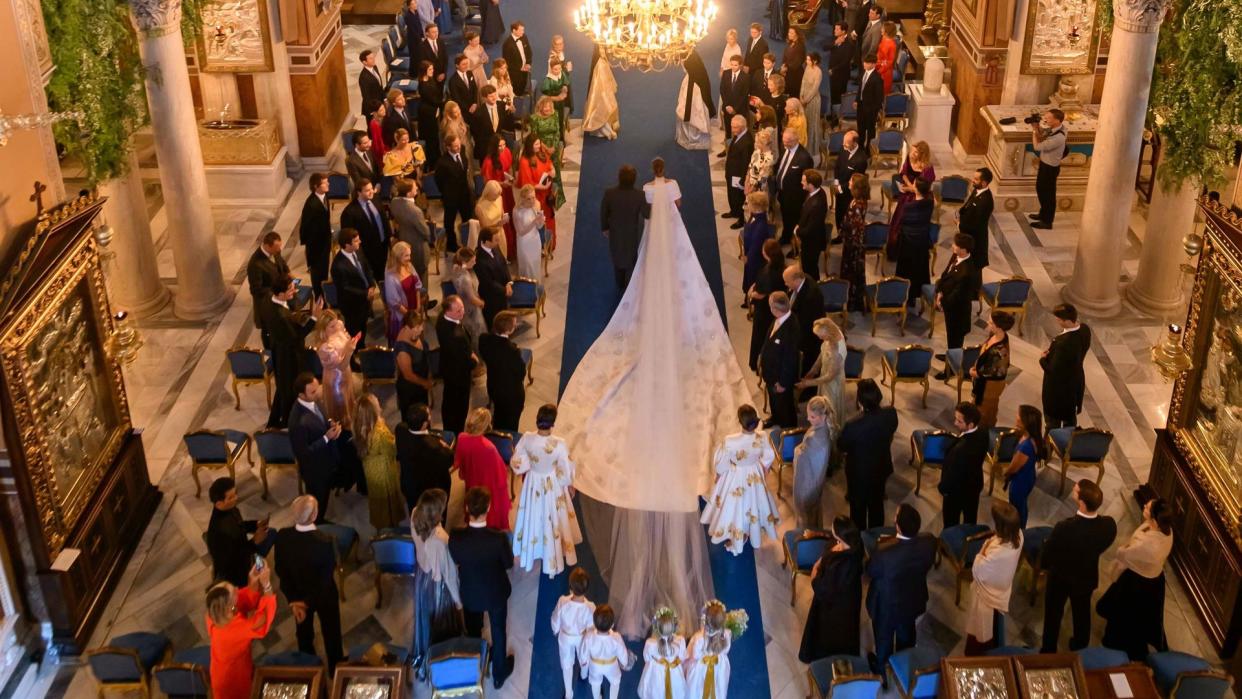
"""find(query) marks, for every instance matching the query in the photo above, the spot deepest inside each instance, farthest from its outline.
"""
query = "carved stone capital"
(1140, 16)
(156, 17)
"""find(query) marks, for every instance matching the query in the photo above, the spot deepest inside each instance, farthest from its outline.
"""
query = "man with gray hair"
(306, 565)
(779, 362)
(794, 161)
(807, 305)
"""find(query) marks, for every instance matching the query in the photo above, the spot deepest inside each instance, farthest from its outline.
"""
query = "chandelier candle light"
(645, 34)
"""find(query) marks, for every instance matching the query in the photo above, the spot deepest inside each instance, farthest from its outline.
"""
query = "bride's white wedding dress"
(642, 414)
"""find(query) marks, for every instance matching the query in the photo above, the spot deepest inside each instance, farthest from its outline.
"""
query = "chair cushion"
(198, 655)
(1033, 540)
(954, 539)
(150, 646)
(1060, 436)
(1100, 658)
(344, 536)
(395, 555)
(804, 556)
(456, 663)
(290, 658)
(1167, 665)
(905, 663)
(872, 536)
(176, 682)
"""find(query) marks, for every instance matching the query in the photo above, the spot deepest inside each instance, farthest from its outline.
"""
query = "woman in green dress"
(378, 449)
(545, 125)
(556, 87)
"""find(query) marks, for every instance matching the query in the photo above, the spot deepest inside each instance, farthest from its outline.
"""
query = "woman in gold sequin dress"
(741, 508)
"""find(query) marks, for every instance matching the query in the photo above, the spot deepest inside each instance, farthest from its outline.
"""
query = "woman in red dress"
(378, 109)
(235, 618)
(886, 54)
(479, 464)
(537, 170)
(498, 166)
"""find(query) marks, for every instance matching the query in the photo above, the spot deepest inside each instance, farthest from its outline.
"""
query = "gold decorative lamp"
(1169, 356)
(645, 34)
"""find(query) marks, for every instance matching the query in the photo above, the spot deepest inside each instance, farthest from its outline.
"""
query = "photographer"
(1048, 137)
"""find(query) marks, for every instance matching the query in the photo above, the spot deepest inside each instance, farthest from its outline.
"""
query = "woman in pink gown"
(403, 290)
(479, 464)
(335, 348)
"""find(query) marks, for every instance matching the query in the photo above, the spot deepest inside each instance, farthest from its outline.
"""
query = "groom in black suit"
(621, 220)
(779, 361)
(484, 557)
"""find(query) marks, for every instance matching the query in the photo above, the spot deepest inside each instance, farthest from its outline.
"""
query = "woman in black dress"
(832, 624)
(914, 243)
(493, 24)
(770, 279)
(413, 367)
(430, 102)
(1133, 606)
(987, 376)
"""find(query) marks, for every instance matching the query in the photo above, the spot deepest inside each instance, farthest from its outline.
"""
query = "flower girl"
(663, 655)
(573, 616)
(546, 528)
(604, 654)
(741, 507)
(707, 670)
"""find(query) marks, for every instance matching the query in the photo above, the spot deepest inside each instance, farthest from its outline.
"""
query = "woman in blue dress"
(1020, 476)
(756, 233)
(780, 20)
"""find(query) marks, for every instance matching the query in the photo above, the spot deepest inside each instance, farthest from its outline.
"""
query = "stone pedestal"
(245, 164)
(1014, 163)
(1123, 108)
(133, 272)
(931, 116)
(1157, 288)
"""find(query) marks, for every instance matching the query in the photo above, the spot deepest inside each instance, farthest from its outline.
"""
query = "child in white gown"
(573, 616)
(546, 528)
(707, 670)
(604, 654)
(741, 507)
(663, 657)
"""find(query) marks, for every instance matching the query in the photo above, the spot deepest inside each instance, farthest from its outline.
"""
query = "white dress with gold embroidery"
(546, 528)
(741, 507)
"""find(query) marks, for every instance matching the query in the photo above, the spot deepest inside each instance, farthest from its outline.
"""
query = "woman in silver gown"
(437, 602)
(811, 464)
(467, 286)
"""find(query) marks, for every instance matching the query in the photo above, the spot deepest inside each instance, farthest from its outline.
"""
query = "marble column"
(1110, 185)
(274, 92)
(1019, 87)
(201, 292)
(133, 273)
(1157, 288)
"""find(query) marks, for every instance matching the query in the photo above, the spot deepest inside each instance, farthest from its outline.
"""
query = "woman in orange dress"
(235, 618)
(536, 162)
(498, 167)
(479, 464)
(886, 54)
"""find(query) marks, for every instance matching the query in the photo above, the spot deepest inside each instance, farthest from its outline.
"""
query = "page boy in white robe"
(573, 616)
(604, 654)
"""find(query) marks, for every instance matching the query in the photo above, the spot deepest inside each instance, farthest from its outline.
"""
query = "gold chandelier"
(645, 34)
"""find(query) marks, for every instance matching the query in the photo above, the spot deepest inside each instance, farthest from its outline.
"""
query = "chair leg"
(249, 454)
(267, 386)
(236, 396)
(1061, 488)
(263, 477)
(903, 321)
(926, 386)
(379, 589)
(872, 322)
(793, 588)
(918, 477)
(957, 590)
(198, 487)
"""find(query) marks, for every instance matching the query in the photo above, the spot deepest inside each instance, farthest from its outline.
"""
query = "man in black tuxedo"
(807, 305)
(738, 151)
(359, 163)
(756, 49)
(306, 564)
(265, 267)
(517, 54)
(812, 229)
(621, 217)
(780, 360)
(867, 441)
(495, 285)
(842, 53)
(956, 290)
(734, 95)
(462, 87)
(961, 476)
(506, 372)
(489, 119)
(456, 191)
(370, 84)
(425, 460)
(286, 333)
(850, 161)
(432, 50)
(484, 557)
(397, 118)
(1071, 558)
(364, 216)
(1065, 383)
(870, 100)
(315, 230)
(794, 161)
(759, 81)
(314, 439)
(233, 542)
(897, 595)
(975, 213)
(355, 283)
(457, 362)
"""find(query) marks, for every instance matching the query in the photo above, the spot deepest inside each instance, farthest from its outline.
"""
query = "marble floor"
(180, 383)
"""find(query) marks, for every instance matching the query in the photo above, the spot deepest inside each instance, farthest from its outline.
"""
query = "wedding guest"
(453, 179)
(759, 91)
(1065, 382)
(546, 527)
(432, 51)
(605, 648)
(572, 617)
(497, 167)
(622, 215)
(834, 619)
(412, 228)
(913, 252)
(897, 596)
(233, 542)
(768, 280)
(262, 270)
(406, 158)
(852, 160)
(466, 284)
(961, 476)
(741, 509)
(811, 464)
(489, 212)
(503, 82)
(707, 670)
(370, 84)
(426, 461)
(517, 53)
(528, 222)
(359, 162)
(780, 361)
(807, 305)
(414, 382)
(484, 559)
(287, 333)
(917, 167)
(437, 599)
(430, 107)
(377, 447)
(827, 374)
(872, 29)
(463, 84)
(315, 230)
(762, 160)
(739, 150)
(364, 217)
(1133, 606)
(537, 168)
(556, 88)
(495, 284)
(236, 617)
(795, 118)
(397, 117)
(870, 101)
(376, 111)
(886, 54)
(853, 234)
(812, 230)
(457, 363)
(493, 24)
(988, 374)
(663, 654)
(974, 215)
(403, 288)
(842, 53)
(335, 348)
(956, 291)
(779, 22)
(355, 285)
(506, 372)
(992, 583)
(306, 564)
(866, 441)
(757, 233)
(475, 458)
(1020, 472)
(731, 49)
(1071, 558)
(812, 105)
(756, 49)
(793, 61)
(792, 164)
(413, 23)
(491, 119)
(734, 94)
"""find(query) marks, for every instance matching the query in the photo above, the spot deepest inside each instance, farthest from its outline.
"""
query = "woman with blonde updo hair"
(762, 159)
(335, 348)
(475, 458)
(489, 212)
(403, 290)
(709, 654)
(811, 460)
(405, 157)
(528, 219)
(795, 118)
(827, 374)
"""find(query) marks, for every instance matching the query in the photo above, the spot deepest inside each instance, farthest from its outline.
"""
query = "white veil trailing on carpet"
(643, 413)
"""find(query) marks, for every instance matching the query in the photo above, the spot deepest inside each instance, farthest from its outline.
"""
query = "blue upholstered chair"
(275, 451)
(886, 148)
(330, 297)
(1185, 676)
(447, 436)
(187, 676)
(249, 366)
(954, 189)
(457, 667)
(1033, 540)
(125, 663)
(927, 449)
(803, 547)
(836, 142)
(1012, 295)
(1101, 658)
(849, 112)
(1079, 448)
(836, 294)
(909, 364)
(933, 236)
(394, 554)
(871, 538)
(958, 362)
(379, 367)
(959, 544)
(391, 60)
(447, 288)
(212, 449)
(310, 355)
(889, 189)
(346, 540)
(896, 110)
(927, 296)
(339, 186)
(842, 677)
(504, 442)
(784, 441)
(1002, 444)
(875, 239)
(854, 360)
(528, 360)
(888, 296)
(916, 672)
(527, 299)
(290, 658)
(899, 69)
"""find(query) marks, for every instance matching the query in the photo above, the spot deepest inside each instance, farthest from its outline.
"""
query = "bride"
(644, 409)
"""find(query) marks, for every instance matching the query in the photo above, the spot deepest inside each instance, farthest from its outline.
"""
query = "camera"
(1034, 118)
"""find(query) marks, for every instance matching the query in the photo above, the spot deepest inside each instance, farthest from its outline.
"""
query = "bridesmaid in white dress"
(663, 656)
(546, 528)
(707, 670)
(741, 508)
(527, 220)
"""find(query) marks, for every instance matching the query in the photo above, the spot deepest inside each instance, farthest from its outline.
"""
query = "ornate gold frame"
(266, 65)
(78, 271)
(1220, 259)
(1046, 63)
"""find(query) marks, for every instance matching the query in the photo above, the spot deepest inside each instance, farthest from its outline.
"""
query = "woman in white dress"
(695, 107)
(993, 572)
(546, 528)
(664, 653)
(707, 670)
(741, 508)
(809, 94)
(603, 113)
(527, 221)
